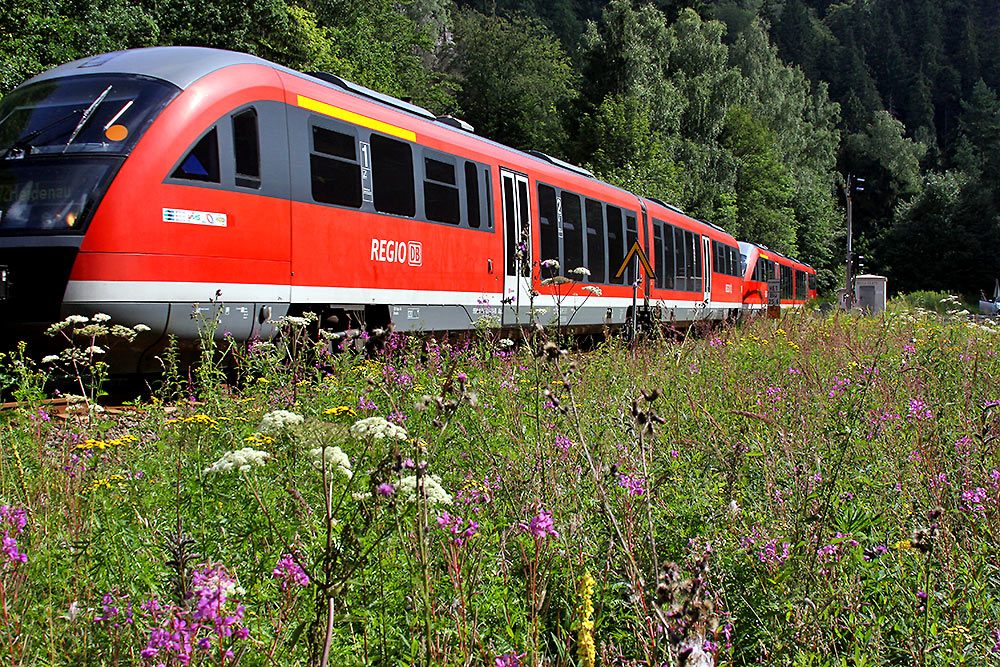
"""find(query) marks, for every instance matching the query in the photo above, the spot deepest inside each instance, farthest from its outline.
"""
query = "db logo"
(415, 253)
(398, 252)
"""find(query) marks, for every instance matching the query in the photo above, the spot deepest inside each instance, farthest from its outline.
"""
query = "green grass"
(813, 491)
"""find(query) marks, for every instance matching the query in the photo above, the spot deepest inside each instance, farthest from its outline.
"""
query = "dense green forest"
(745, 113)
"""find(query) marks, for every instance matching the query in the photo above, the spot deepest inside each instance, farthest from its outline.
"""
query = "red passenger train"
(141, 182)
(795, 280)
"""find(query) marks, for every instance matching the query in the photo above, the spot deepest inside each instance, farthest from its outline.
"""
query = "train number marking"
(367, 194)
(399, 252)
(195, 217)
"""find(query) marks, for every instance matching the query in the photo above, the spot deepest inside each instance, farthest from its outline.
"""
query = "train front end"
(62, 141)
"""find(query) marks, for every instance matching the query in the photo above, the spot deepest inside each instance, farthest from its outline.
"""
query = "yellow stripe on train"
(355, 119)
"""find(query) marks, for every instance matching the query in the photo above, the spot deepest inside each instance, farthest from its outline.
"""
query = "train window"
(801, 285)
(548, 223)
(663, 254)
(668, 256)
(472, 195)
(787, 287)
(202, 163)
(441, 192)
(658, 253)
(812, 282)
(595, 242)
(336, 144)
(631, 238)
(511, 227)
(572, 226)
(392, 176)
(693, 248)
(680, 261)
(616, 244)
(334, 171)
(246, 148)
(522, 195)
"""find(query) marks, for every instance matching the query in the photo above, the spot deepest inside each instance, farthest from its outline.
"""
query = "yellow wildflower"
(585, 637)
(341, 410)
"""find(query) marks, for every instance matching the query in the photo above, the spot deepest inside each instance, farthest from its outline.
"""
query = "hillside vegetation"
(745, 113)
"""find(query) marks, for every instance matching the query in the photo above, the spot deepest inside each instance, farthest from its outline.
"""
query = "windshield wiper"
(86, 116)
(24, 143)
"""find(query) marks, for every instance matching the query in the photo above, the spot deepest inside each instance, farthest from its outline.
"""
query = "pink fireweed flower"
(634, 485)
(540, 526)
(288, 572)
(12, 522)
(919, 411)
(460, 529)
(563, 444)
(508, 660)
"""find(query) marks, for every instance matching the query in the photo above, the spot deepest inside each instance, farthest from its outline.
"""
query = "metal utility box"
(870, 293)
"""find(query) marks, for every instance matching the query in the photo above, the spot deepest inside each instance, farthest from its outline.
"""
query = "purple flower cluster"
(633, 484)
(918, 411)
(288, 572)
(770, 550)
(12, 522)
(206, 614)
(510, 659)
(563, 444)
(540, 525)
(113, 615)
(834, 552)
(460, 529)
(840, 385)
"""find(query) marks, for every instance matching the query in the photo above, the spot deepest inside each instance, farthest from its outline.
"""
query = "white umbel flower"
(592, 289)
(101, 317)
(377, 428)
(278, 421)
(241, 460)
(435, 493)
(336, 459)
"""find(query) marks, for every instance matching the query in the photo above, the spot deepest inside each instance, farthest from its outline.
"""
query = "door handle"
(489, 266)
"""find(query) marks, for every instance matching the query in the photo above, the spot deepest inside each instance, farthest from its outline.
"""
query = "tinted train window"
(441, 192)
(812, 282)
(572, 219)
(631, 238)
(663, 254)
(334, 168)
(548, 223)
(787, 287)
(392, 176)
(246, 149)
(680, 261)
(616, 244)
(202, 163)
(595, 242)
(472, 194)
(801, 285)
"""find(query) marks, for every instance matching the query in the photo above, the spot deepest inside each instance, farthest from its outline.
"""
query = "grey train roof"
(179, 65)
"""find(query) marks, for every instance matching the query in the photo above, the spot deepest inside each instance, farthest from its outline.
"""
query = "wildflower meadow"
(813, 490)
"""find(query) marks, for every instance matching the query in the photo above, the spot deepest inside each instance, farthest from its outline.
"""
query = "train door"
(516, 203)
(706, 244)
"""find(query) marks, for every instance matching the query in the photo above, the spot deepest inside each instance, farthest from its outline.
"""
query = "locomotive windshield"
(62, 141)
(80, 114)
